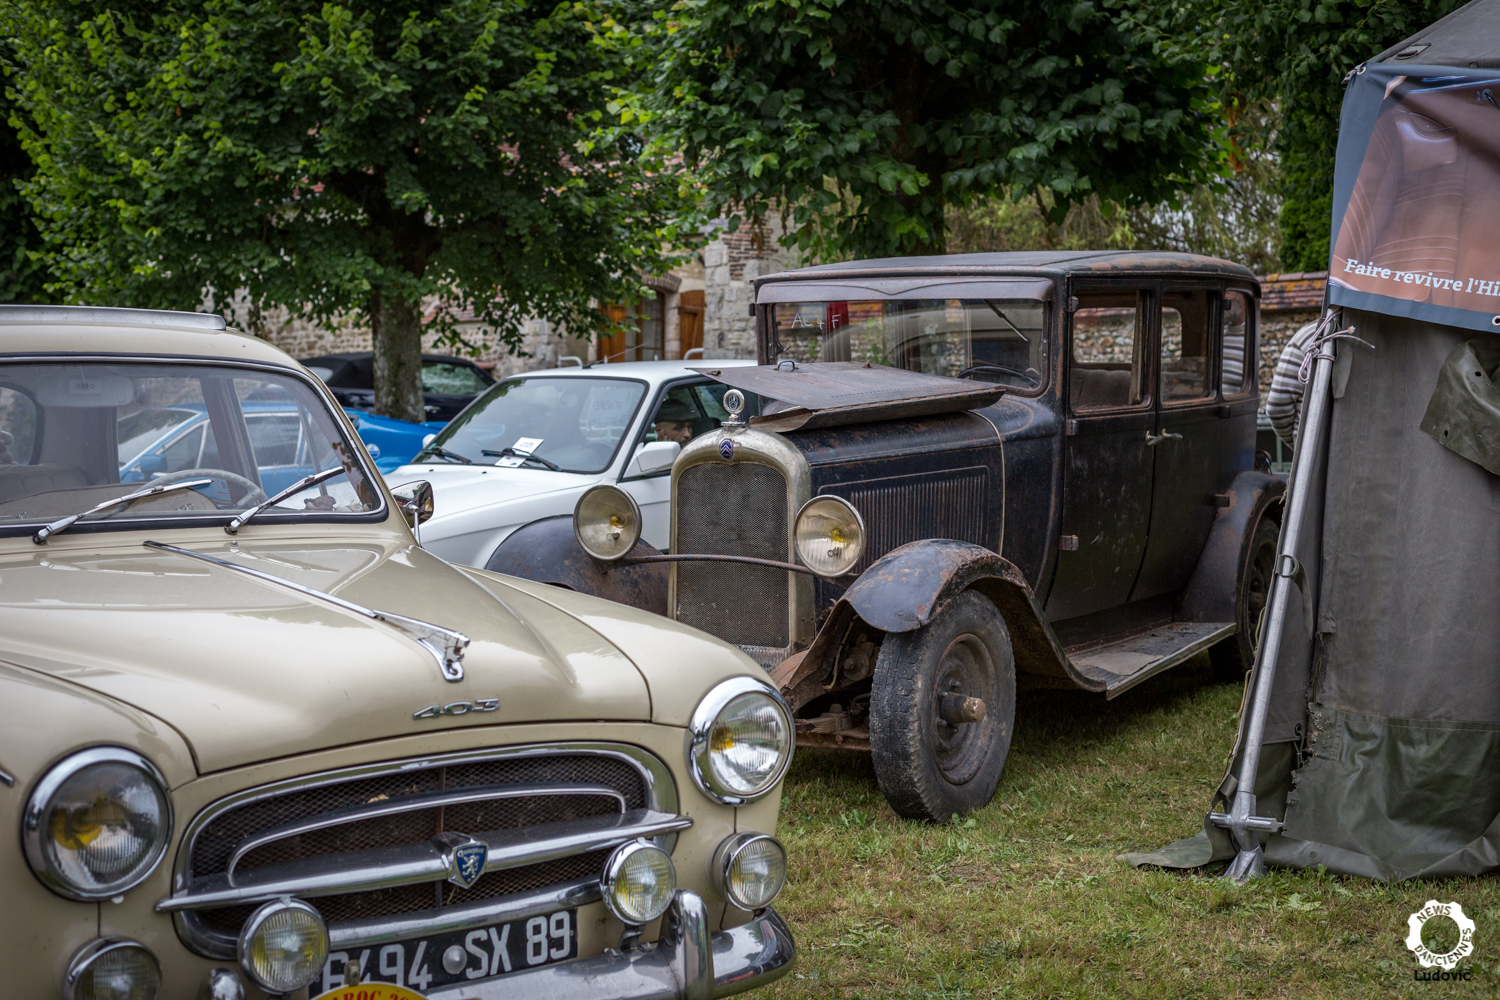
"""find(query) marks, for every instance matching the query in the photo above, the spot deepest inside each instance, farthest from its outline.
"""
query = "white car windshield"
(572, 424)
(73, 436)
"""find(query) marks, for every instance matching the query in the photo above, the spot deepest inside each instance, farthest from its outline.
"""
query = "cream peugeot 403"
(255, 741)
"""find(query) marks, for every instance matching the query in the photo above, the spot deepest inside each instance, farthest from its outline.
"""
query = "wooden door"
(690, 307)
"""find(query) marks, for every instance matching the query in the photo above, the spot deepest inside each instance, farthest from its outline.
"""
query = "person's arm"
(1284, 400)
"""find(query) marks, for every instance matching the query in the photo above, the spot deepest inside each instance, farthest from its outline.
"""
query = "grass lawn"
(1025, 898)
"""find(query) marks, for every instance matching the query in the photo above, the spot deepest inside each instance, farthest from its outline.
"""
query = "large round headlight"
(740, 741)
(830, 536)
(97, 823)
(607, 522)
(750, 869)
(283, 945)
(638, 883)
(113, 968)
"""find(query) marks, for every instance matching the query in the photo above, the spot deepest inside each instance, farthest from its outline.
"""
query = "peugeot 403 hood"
(249, 670)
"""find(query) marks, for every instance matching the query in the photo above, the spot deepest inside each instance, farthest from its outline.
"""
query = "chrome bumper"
(686, 964)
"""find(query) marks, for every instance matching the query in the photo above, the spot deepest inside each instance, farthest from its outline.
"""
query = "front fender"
(548, 552)
(1213, 591)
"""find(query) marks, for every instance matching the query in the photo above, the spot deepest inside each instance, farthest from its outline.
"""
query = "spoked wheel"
(942, 709)
(1235, 655)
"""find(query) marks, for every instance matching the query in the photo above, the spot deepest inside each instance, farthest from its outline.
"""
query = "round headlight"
(639, 881)
(750, 869)
(113, 968)
(607, 522)
(740, 741)
(98, 823)
(283, 945)
(830, 536)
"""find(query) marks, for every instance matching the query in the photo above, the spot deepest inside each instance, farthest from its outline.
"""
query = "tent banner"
(1416, 200)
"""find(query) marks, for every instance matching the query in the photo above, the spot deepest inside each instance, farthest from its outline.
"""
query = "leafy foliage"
(21, 277)
(865, 121)
(336, 158)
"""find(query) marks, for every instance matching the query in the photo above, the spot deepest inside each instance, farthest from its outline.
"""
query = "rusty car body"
(1051, 460)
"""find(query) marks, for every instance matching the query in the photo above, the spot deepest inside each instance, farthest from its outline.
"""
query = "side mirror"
(415, 501)
(653, 456)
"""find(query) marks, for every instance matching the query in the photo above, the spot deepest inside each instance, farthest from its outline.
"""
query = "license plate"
(460, 956)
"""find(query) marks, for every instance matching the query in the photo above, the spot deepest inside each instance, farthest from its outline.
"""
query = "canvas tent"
(1379, 730)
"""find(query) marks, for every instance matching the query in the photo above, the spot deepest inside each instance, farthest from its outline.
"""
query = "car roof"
(653, 372)
(47, 330)
(1044, 263)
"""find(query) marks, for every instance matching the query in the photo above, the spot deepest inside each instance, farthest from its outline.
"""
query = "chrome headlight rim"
(701, 726)
(635, 513)
(263, 913)
(726, 854)
(84, 958)
(614, 865)
(41, 797)
(854, 516)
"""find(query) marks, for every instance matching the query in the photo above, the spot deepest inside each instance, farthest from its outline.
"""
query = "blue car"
(392, 443)
(163, 439)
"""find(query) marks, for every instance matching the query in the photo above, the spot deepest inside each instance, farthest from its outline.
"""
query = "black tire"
(927, 768)
(1236, 655)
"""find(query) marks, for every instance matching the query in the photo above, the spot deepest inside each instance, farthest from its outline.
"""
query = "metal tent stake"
(1242, 823)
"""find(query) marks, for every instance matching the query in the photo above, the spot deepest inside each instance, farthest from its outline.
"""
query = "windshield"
(75, 435)
(574, 423)
(992, 340)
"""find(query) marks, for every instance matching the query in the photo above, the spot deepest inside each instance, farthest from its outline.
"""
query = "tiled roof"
(1292, 290)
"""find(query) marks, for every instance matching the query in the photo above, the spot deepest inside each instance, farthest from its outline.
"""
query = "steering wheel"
(253, 494)
(1030, 376)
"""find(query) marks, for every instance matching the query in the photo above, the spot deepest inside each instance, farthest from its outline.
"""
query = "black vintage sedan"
(448, 383)
(969, 474)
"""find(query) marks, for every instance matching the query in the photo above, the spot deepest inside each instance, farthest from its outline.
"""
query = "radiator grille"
(904, 509)
(736, 510)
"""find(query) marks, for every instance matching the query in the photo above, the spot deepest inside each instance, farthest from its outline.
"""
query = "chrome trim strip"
(7, 780)
(381, 868)
(446, 645)
(412, 803)
(383, 930)
(41, 795)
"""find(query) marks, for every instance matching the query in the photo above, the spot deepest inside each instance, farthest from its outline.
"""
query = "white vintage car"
(531, 445)
(265, 745)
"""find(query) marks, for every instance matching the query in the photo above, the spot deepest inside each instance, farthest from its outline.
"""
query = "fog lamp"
(113, 968)
(830, 536)
(283, 945)
(638, 882)
(607, 522)
(750, 869)
(98, 823)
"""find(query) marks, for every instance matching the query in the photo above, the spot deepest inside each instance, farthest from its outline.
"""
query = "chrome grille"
(532, 786)
(901, 509)
(733, 510)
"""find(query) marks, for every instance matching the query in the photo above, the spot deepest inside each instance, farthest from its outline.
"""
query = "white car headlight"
(740, 741)
(830, 536)
(98, 823)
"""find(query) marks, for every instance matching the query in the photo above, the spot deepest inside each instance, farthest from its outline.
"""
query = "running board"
(1123, 664)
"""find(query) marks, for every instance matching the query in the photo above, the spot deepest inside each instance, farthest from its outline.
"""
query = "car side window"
(1235, 342)
(1184, 345)
(686, 411)
(275, 437)
(451, 380)
(17, 427)
(1107, 350)
(182, 453)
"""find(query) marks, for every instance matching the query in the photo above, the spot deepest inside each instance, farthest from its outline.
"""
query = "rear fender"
(909, 587)
(547, 551)
(1212, 593)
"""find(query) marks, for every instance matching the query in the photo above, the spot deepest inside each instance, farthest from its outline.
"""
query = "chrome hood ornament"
(445, 645)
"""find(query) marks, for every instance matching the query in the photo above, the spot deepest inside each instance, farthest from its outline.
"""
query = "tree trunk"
(397, 329)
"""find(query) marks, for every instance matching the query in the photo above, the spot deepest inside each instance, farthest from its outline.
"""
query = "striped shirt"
(1284, 401)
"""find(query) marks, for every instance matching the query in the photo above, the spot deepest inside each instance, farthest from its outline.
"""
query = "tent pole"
(1243, 824)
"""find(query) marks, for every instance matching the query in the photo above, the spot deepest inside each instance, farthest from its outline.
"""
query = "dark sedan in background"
(448, 383)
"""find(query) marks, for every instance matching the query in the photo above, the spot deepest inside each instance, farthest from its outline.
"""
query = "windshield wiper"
(63, 525)
(292, 490)
(451, 456)
(524, 455)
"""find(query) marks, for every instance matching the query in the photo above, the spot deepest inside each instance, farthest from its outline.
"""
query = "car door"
(1107, 463)
(1187, 448)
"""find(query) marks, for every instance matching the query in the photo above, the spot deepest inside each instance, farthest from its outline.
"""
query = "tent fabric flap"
(1464, 412)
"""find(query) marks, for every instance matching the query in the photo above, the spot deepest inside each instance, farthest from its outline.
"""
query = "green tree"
(338, 158)
(22, 277)
(867, 121)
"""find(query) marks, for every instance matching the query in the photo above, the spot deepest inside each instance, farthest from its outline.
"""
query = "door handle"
(1152, 440)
